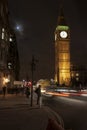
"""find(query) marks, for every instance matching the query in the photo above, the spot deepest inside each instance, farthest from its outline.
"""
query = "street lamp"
(33, 67)
(5, 80)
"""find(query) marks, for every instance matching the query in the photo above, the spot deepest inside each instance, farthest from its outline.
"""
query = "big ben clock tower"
(62, 51)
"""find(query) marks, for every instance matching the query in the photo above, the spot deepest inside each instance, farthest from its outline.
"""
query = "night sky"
(37, 20)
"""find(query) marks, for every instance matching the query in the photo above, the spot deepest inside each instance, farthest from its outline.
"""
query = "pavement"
(16, 113)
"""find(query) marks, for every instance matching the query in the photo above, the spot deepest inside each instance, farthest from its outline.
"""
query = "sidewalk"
(17, 114)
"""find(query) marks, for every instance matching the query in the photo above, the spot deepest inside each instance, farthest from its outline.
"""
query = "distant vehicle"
(43, 90)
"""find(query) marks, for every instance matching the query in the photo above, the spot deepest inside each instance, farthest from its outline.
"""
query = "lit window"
(3, 33)
(10, 39)
(3, 29)
(77, 74)
(77, 79)
(9, 65)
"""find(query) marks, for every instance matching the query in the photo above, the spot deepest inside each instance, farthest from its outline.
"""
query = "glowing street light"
(5, 80)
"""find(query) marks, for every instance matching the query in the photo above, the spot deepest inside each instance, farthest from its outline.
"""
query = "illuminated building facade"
(62, 51)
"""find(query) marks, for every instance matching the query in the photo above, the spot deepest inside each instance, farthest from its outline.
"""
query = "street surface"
(73, 110)
(16, 113)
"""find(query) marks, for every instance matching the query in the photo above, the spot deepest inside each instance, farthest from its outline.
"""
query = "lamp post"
(33, 67)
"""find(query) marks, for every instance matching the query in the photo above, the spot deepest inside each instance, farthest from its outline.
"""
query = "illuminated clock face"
(63, 34)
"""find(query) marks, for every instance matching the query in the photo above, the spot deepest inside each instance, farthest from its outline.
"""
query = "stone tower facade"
(62, 51)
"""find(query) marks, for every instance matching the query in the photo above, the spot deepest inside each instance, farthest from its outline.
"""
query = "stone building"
(62, 51)
(8, 56)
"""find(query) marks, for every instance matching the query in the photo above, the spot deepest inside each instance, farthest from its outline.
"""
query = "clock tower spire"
(61, 18)
(62, 51)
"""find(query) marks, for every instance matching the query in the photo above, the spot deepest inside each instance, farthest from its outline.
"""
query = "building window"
(3, 33)
(77, 74)
(10, 39)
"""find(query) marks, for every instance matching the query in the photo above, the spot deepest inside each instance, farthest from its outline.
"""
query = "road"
(72, 110)
(17, 114)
